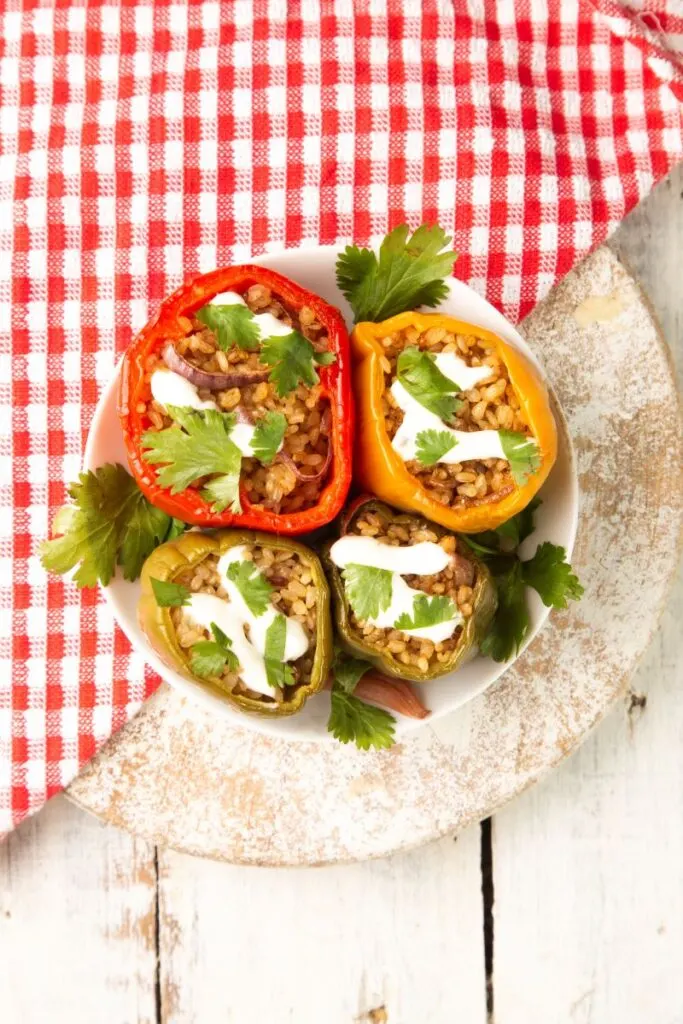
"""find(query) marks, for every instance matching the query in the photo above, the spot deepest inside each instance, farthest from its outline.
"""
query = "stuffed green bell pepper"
(245, 614)
(408, 595)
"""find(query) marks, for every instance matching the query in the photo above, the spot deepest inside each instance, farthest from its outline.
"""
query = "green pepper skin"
(484, 598)
(170, 559)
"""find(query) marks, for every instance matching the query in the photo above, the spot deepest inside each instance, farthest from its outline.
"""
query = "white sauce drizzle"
(471, 444)
(170, 388)
(233, 615)
(457, 370)
(423, 559)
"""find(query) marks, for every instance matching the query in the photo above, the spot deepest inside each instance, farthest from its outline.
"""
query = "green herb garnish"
(211, 657)
(111, 522)
(351, 719)
(368, 589)
(427, 611)
(232, 325)
(253, 586)
(408, 273)
(268, 435)
(168, 594)
(293, 360)
(548, 572)
(278, 672)
(202, 447)
(432, 445)
(423, 380)
(522, 453)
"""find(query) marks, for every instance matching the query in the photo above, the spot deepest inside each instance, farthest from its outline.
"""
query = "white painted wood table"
(566, 908)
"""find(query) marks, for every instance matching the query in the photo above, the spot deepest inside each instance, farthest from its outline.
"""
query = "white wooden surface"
(586, 882)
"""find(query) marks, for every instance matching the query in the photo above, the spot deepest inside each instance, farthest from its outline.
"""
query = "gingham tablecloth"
(145, 141)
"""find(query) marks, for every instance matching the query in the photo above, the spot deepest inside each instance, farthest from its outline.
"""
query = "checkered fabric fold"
(143, 142)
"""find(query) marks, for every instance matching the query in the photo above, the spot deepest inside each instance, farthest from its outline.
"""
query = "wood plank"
(329, 945)
(588, 890)
(77, 922)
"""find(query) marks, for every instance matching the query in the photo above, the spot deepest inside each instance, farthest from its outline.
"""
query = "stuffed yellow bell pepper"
(453, 422)
(245, 614)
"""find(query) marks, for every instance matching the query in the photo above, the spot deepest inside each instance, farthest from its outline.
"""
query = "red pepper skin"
(171, 323)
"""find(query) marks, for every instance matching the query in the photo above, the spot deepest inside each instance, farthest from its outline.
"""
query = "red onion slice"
(395, 694)
(288, 461)
(213, 381)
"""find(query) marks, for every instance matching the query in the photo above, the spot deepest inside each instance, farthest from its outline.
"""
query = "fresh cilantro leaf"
(111, 522)
(479, 549)
(232, 325)
(211, 657)
(175, 529)
(507, 537)
(423, 380)
(293, 359)
(522, 453)
(352, 719)
(278, 672)
(510, 624)
(224, 492)
(551, 576)
(252, 585)
(168, 594)
(409, 273)
(427, 611)
(267, 438)
(368, 589)
(347, 671)
(202, 447)
(432, 445)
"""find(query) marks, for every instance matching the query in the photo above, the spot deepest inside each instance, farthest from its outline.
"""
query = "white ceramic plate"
(556, 520)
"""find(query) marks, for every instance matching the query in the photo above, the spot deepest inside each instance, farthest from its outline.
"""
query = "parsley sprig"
(110, 523)
(232, 325)
(368, 589)
(423, 380)
(427, 611)
(292, 356)
(408, 272)
(212, 657)
(351, 719)
(201, 447)
(253, 586)
(548, 572)
(278, 672)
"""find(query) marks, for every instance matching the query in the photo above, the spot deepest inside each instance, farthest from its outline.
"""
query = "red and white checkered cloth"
(142, 141)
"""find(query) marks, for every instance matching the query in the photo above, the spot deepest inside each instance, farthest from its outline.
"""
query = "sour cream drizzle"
(232, 616)
(169, 388)
(473, 444)
(423, 559)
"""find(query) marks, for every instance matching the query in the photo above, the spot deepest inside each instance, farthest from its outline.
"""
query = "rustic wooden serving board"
(179, 778)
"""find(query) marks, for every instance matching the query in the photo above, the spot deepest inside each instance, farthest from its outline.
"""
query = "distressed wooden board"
(403, 935)
(587, 867)
(181, 779)
(77, 922)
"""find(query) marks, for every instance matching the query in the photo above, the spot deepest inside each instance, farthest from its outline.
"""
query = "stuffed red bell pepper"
(236, 404)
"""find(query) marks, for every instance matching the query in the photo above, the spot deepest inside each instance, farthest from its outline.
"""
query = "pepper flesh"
(173, 557)
(381, 470)
(172, 323)
(484, 604)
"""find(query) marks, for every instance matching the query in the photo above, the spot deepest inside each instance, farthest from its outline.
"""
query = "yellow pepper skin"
(381, 470)
(173, 557)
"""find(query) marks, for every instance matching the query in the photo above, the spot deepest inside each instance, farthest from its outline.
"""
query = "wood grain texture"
(587, 866)
(77, 923)
(302, 946)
